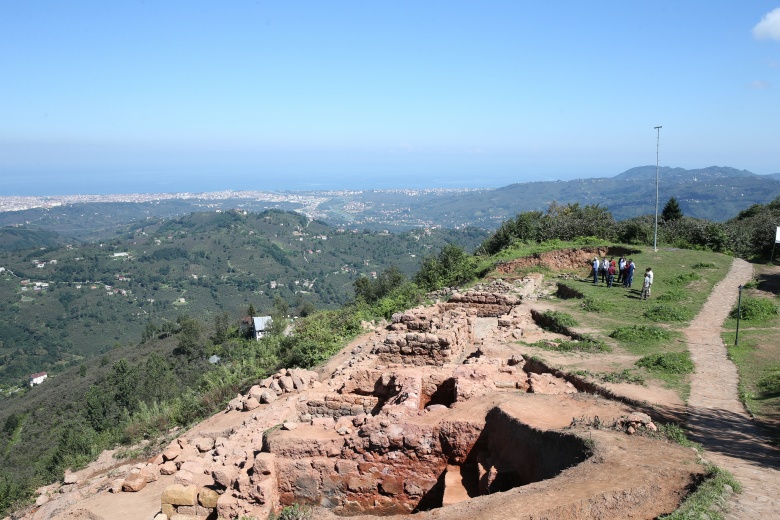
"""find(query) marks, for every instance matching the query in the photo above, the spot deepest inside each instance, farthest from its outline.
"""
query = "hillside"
(60, 305)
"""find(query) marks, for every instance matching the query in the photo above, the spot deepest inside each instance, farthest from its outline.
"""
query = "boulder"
(133, 483)
(267, 396)
(168, 468)
(251, 404)
(208, 497)
(204, 444)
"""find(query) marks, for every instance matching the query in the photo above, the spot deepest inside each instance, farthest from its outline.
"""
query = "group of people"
(624, 269)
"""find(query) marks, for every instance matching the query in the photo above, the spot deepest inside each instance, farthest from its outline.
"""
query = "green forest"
(65, 304)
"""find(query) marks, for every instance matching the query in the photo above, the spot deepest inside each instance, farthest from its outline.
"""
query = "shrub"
(640, 333)
(756, 309)
(665, 312)
(668, 362)
(296, 512)
(704, 265)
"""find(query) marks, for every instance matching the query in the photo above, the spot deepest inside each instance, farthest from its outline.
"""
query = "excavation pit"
(386, 468)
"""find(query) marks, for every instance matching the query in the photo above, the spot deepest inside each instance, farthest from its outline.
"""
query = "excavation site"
(435, 414)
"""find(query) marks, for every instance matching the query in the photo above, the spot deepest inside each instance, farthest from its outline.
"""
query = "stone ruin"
(424, 413)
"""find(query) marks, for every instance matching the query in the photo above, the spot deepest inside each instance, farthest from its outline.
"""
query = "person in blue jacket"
(630, 268)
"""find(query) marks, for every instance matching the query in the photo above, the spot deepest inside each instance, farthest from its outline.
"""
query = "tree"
(221, 327)
(190, 341)
(672, 211)
(452, 266)
(124, 383)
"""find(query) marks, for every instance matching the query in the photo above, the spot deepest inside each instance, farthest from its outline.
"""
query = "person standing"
(630, 268)
(595, 270)
(611, 273)
(646, 285)
(604, 268)
(649, 276)
(621, 268)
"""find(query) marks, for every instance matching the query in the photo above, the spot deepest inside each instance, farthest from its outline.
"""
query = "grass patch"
(586, 344)
(593, 305)
(710, 497)
(624, 376)
(684, 278)
(668, 363)
(556, 321)
(663, 313)
(640, 333)
(672, 295)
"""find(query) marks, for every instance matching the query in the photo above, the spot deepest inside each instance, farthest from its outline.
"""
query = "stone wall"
(429, 336)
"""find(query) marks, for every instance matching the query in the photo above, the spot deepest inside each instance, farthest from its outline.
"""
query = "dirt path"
(717, 418)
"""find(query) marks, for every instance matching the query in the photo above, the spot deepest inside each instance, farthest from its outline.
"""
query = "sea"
(76, 183)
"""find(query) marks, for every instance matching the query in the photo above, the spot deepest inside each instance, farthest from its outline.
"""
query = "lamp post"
(739, 315)
(657, 145)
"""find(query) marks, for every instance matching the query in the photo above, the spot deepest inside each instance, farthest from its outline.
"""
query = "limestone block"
(179, 495)
(208, 497)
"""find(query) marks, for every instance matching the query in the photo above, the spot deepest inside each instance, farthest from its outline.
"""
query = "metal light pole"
(739, 315)
(657, 145)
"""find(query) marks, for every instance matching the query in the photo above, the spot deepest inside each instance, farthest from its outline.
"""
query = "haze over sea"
(98, 184)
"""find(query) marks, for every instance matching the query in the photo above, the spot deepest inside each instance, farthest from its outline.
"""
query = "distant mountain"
(714, 193)
(681, 174)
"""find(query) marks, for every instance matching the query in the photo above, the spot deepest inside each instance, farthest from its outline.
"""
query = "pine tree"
(672, 211)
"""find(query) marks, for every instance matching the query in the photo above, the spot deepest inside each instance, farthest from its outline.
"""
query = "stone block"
(208, 497)
(179, 495)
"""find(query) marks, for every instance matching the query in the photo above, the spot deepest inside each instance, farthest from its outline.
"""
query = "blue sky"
(191, 96)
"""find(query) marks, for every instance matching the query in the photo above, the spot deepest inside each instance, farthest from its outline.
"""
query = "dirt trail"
(717, 419)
